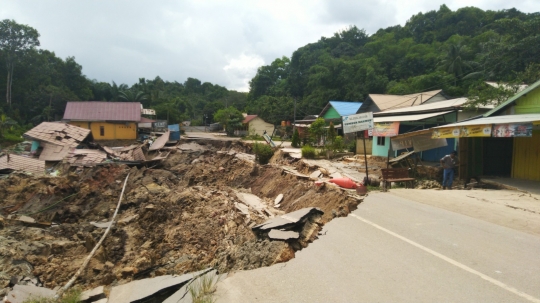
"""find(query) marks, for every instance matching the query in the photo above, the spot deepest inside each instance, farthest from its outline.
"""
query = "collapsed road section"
(208, 204)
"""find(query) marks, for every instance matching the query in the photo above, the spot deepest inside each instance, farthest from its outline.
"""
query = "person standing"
(449, 163)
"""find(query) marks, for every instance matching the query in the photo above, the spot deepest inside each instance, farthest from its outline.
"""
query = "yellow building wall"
(112, 131)
(257, 126)
(526, 158)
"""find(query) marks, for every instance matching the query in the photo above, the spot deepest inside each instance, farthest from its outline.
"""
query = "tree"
(317, 130)
(5, 123)
(230, 118)
(15, 40)
(131, 95)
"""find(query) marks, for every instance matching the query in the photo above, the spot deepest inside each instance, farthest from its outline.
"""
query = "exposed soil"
(177, 217)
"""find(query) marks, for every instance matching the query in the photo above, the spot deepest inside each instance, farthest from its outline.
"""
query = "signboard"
(512, 130)
(425, 142)
(402, 143)
(451, 132)
(476, 131)
(146, 111)
(386, 129)
(160, 124)
(357, 123)
(463, 131)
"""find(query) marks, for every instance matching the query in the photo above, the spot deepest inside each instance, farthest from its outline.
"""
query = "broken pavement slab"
(142, 290)
(21, 293)
(283, 234)
(93, 295)
(288, 220)
(254, 202)
(183, 295)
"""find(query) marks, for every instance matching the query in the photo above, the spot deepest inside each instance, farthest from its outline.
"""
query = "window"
(102, 130)
(381, 141)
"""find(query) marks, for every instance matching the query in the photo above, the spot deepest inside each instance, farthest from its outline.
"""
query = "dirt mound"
(177, 217)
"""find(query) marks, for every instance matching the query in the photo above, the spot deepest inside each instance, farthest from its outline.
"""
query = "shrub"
(263, 152)
(308, 152)
(295, 139)
(338, 145)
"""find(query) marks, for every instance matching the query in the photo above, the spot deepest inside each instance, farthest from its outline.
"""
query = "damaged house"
(56, 139)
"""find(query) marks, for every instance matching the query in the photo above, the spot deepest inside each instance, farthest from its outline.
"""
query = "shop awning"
(417, 117)
(526, 118)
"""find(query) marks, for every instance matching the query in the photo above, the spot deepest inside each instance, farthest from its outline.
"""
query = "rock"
(278, 199)
(127, 220)
(315, 175)
(156, 189)
(324, 171)
(109, 264)
(128, 271)
(93, 294)
(150, 207)
(2, 222)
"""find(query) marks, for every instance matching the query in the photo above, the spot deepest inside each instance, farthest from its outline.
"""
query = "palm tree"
(5, 123)
(132, 95)
(453, 61)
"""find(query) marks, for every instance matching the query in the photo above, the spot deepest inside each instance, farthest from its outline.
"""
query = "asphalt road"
(392, 249)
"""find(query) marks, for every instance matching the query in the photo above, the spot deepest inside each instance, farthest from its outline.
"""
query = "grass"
(71, 296)
(202, 290)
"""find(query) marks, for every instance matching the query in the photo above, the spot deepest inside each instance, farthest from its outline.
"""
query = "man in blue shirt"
(449, 163)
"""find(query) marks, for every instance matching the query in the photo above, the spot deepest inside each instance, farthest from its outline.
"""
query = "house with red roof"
(255, 125)
(106, 120)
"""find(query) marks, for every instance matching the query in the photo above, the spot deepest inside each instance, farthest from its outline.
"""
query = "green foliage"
(337, 144)
(295, 142)
(308, 152)
(263, 152)
(317, 130)
(15, 41)
(230, 118)
(439, 49)
(351, 147)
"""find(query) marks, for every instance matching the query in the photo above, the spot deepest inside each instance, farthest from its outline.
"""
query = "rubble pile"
(201, 206)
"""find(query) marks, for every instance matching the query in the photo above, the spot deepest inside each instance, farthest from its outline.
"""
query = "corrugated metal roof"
(385, 102)
(417, 117)
(58, 133)
(426, 107)
(53, 152)
(160, 142)
(344, 108)
(525, 118)
(102, 111)
(514, 98)
(21, 163)
(85, 157)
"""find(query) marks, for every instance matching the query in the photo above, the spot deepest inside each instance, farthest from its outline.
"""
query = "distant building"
(255, 125)
(106, 120)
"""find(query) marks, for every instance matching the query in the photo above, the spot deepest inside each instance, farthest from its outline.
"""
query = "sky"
(217, 41)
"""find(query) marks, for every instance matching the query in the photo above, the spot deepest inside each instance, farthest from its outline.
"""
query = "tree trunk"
(7, 85)
(10, 83)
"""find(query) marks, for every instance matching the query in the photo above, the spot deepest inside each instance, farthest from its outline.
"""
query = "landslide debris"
(175, 218)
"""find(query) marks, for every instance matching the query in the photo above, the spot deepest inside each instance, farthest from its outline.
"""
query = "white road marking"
(453, 262)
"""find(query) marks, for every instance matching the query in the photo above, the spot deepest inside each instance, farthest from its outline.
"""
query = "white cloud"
(223, 42)
(242, 69)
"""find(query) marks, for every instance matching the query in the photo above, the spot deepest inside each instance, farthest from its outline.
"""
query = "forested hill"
(443, 49)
